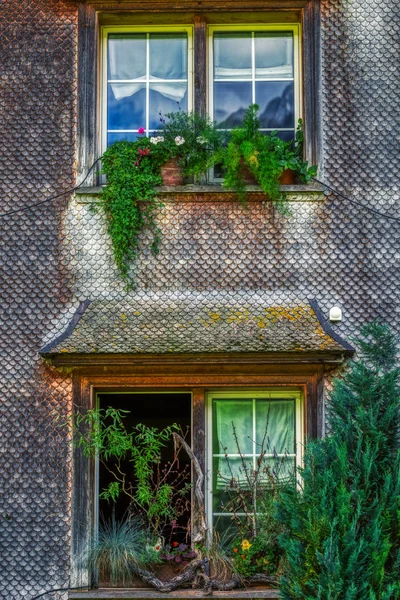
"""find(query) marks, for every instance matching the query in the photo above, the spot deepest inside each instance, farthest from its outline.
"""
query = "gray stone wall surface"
(58, 253)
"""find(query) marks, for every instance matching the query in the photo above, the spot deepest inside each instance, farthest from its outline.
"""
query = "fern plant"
(265, 156)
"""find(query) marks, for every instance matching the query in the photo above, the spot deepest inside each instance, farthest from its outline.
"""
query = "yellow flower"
(253, 159)
(246, 545)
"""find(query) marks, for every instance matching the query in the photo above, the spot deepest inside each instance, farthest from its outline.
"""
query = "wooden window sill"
(214, 193)
(150, 594)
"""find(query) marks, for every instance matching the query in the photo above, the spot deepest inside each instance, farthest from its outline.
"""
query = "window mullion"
(253, 67)
(147, 83)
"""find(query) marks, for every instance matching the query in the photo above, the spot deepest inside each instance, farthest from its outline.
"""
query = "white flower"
(201, 140)
(157, 546)
(156, 139)
(179, 140)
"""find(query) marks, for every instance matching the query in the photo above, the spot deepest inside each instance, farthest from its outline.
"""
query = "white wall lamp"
(335, 314)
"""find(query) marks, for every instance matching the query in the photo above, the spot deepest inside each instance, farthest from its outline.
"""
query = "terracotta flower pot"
(172, 173)
(288, 177)
(248, 176)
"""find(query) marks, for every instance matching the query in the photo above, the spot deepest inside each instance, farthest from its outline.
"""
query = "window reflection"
(147, 74)
(254, 68)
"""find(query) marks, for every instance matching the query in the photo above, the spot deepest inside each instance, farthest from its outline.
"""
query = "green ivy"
(129, 199)
(133, 171)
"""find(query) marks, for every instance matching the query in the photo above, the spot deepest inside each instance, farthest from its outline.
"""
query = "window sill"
(214, 193)
(134, 594)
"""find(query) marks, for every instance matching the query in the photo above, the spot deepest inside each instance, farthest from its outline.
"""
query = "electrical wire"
(66, 589)
(325, 185)
(355, 202)
(52, 198)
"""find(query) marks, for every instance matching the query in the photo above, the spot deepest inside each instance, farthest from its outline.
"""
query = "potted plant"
(188, 142)
(119, 550)
(265, 157)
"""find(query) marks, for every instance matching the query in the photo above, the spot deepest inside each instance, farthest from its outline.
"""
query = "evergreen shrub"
(342, 523)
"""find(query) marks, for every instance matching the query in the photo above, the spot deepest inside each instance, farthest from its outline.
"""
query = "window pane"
(126, 56)
(121, 137)
(286, 136)
(168, 55)
(230, 102)
(275, 469)
(126, 105)
(230, 474)
(166, 98)
(273, 55)
(275, 426)
(226, 528)
(276, 102)
(232, 55)
(240, 413)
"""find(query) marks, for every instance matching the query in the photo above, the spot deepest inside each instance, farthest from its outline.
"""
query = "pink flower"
(141, 130)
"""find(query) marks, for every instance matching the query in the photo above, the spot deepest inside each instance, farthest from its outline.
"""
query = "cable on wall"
(325, 185)
(70, 191)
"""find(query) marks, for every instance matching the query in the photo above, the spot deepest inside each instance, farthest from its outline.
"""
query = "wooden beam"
(83, 494)
(197, 6)
(87, 93)
(312, 89)
(200, 65)
(199, 448)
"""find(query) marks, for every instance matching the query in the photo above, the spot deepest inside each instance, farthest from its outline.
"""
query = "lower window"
(255, 445)
(148, 466)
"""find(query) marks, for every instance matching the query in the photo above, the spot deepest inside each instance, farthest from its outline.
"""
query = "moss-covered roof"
(191, 325)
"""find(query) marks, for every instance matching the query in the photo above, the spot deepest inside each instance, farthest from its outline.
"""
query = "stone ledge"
(146, 594)
(213, 193)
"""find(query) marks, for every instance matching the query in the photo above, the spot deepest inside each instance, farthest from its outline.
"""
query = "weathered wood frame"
(95, 12)
(177, 375)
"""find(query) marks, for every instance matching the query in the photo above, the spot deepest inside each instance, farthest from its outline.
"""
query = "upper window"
(255, 65)
(147, 73)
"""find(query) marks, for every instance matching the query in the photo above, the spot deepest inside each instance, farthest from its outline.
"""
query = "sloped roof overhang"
(196, 328)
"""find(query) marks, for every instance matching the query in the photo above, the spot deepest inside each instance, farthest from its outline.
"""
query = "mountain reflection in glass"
(254, 67)
(276, 102)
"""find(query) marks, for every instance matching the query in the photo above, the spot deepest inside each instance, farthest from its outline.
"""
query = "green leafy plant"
(158, 493)
(342, 528)
(294, 156)
(258, 555)
(191, 138)
(264, 156)
(133, 170)
(120, 548)
(129, 199)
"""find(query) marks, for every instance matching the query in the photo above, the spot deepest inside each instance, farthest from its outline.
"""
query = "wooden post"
(86, 152)
(199, 450)
(200, 65)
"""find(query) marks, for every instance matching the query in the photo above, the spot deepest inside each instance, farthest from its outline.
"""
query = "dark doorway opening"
(152, 409)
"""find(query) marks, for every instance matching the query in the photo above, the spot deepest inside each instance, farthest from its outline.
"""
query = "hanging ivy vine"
(133, 170)
(129, 200)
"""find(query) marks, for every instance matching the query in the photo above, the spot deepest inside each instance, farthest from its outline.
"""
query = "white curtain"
(277, 416)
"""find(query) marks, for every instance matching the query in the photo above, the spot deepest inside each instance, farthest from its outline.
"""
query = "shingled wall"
(57, 254)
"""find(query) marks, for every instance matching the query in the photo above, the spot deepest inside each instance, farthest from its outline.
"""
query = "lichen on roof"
(192, 324)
